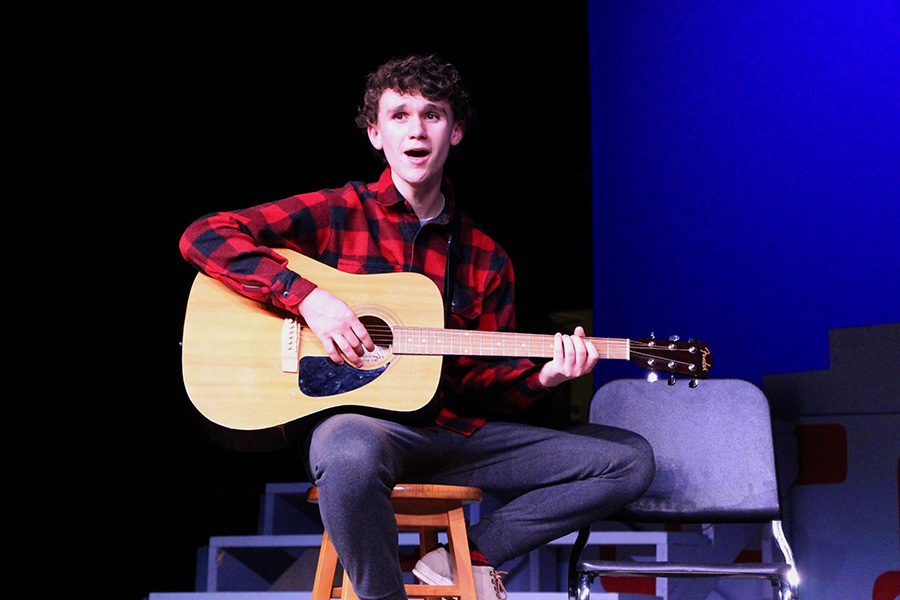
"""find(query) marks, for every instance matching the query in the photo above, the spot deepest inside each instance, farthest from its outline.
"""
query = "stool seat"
(426, 508)
(421, 491)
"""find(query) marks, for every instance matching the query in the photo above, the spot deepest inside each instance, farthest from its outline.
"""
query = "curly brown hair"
(428, 75)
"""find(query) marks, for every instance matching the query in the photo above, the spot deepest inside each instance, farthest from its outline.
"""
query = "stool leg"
(325, 570)
(428, 539)
(459, 549)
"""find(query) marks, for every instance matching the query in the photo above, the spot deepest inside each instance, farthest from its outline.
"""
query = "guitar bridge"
(290, 345)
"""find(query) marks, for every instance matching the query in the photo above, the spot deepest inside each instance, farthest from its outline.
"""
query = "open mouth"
(417, 153)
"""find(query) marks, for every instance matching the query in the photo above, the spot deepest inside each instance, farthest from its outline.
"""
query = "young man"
(415, 110)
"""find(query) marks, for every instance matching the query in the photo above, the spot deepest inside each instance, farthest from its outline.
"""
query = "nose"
(416, 128)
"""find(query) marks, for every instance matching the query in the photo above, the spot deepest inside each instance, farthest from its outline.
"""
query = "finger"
(338, 349)
(580, 347)
(579, 350)
(558, 352)
(356, 349)
(363, 335)
(348, 350)
(592, 355)
(569, 353)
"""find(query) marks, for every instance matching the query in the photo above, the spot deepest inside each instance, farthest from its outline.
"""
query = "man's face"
(415, 134)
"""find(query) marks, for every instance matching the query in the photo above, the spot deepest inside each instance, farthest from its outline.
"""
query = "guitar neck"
(461, 342)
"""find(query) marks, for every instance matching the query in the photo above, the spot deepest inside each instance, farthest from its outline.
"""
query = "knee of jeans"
(641, 464)
(349, 448)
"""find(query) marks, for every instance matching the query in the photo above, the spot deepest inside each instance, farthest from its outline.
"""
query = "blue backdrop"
(746, 175)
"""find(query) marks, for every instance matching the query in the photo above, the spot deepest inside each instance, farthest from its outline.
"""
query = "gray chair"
(715, 463)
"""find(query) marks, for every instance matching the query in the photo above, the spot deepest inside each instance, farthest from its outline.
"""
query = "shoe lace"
(497, 582)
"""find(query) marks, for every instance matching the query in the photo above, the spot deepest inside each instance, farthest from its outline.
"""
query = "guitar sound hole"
(380, 332)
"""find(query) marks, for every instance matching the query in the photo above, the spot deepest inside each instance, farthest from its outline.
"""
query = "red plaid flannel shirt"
(370, 228)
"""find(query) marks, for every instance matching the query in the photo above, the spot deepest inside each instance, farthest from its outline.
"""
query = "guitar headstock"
(689, 358)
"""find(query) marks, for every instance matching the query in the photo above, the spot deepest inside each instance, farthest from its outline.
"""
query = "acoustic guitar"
(249, 367)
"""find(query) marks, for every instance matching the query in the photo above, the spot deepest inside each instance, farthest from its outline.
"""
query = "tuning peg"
(652, 377)
(672, 379)
(694, 383)
(674, 338)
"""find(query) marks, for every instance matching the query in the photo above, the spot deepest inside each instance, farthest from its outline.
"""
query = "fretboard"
(462, 342)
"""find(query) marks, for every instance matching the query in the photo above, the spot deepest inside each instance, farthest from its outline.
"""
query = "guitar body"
(250, 367)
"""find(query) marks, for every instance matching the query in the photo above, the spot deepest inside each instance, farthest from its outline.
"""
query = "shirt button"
(285, 294)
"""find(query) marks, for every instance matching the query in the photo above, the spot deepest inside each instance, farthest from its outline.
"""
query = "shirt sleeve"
(239, 248)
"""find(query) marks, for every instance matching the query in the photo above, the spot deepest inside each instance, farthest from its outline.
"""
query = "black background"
(138, 119)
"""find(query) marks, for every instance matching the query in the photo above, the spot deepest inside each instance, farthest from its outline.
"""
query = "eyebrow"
(429, 107)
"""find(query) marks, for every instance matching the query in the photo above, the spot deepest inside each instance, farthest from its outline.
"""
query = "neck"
(466, 342)
(426, 199)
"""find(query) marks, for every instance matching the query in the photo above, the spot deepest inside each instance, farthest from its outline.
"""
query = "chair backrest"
(715, 459)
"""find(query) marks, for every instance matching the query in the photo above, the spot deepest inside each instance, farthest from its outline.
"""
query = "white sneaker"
(437, 568)
(489, 583)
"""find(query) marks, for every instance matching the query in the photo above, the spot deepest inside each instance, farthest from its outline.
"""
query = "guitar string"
(382, 335)
(387, 333)
(388, 328)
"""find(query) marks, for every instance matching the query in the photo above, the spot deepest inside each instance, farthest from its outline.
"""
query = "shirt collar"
(387, 195)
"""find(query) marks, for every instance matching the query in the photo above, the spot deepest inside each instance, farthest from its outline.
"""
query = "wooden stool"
(418, 507)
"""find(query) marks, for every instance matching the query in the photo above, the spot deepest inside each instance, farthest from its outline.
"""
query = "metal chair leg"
(787, 590)
(584, 586)
(574, 557)
(788, 587)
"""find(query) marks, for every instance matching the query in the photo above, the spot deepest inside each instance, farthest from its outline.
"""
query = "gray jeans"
(559, 481)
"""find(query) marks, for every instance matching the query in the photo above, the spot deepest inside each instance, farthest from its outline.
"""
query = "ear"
(374, 136)
(456, 135)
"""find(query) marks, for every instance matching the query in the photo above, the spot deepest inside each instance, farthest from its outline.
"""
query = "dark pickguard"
(320, 376)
